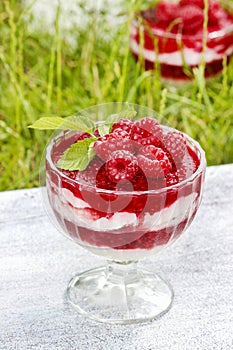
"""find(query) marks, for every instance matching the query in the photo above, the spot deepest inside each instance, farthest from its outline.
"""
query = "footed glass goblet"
(129, 199)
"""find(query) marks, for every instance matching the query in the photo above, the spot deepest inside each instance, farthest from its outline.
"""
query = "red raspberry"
(89, 175)
(165, 12)
(140, 182)
(183, 172)
(103, 180)
(122, 165)
(123, 124)
(172, 178)
(119, 133)
(146, 131)
(153, 161)
(118, 140)
(174, 144)
(186, 168)
(156, 153)
(96, 175)
(191, 17)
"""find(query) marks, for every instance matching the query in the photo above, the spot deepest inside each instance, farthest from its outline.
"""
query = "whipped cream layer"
(77, 211)
(187, 55)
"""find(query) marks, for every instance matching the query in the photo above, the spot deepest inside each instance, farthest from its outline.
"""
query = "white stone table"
(36, 263)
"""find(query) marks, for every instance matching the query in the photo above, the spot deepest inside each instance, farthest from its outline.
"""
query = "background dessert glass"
(176, 52)
(121, 226)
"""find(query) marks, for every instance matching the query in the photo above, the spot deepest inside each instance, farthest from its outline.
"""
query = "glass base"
(112, 296)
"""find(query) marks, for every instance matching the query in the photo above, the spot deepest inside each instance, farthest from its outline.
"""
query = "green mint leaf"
(75, 122)
(78, 156)
(105, 128)
(47, 123)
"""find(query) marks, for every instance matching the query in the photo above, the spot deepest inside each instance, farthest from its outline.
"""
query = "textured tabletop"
(36, 263)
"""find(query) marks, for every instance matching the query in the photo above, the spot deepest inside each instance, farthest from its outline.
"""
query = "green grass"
(43, 75)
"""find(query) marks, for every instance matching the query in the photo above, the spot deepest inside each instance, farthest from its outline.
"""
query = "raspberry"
(153, 161)
(89, 175)
(140, 182)
(186, 168)
(174, 144)
(118, 140)
(182, 171)
(165, 12)
(103, 181)
(156, 153)
(146, 131)
(123, 124)
(118, 133)
(96, 175)
(191, 17)
(121, 166)
(172, 178)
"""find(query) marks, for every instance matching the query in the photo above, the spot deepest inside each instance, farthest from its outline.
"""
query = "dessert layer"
(177, 58)
(138, 241)
(77, 211)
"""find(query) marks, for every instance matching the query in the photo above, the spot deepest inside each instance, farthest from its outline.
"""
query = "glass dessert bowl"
(137, 189)
(171, 34)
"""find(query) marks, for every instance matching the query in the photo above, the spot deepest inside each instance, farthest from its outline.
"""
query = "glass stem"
(122, 272)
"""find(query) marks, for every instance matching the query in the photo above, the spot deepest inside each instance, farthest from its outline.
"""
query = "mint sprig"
(78, 156)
